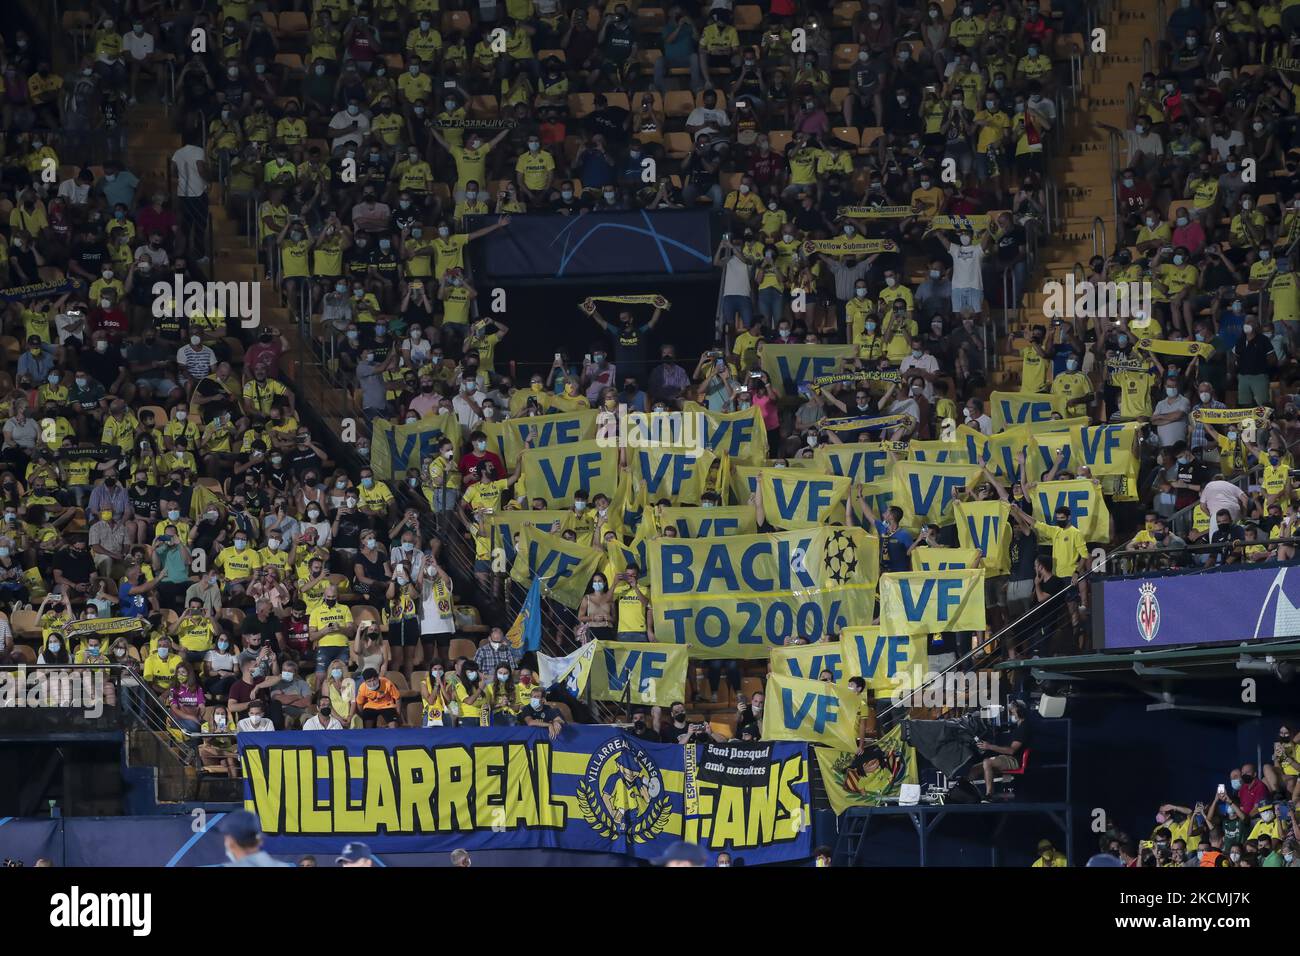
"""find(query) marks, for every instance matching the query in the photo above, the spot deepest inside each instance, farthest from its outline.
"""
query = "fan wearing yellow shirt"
(1034, 363)
(1283, 300)
(455, 294)
(1134, 393)
(374, 498)
(470, 205)
(330, 629)
(413, 174)
(1074, 386)
(471, 158)
(424, 42)
(534, 172)
(237, 563)
(449, 247)
(743, 203)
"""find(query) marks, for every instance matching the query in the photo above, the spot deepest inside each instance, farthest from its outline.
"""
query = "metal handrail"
(1096, 250)
(1058, 601)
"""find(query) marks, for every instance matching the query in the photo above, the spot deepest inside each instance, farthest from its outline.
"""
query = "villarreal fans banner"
(931, 602)
(869, 778)
(557, 473)
(986, 527)
(395, 448)
(1088, 511)
(925, 491)
(807, 661)
(862, 462)
(789, 366)
(811, 710)
(591, 789)
(679, 476)
(638, 673)
(740, 596)
(739, 435)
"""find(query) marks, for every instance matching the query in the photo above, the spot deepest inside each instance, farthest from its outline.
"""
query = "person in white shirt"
(324, 718)
(921, 364)
(350, 125)
(76, 191)
(707, 116)
(975, 417)
(196, 360)
(967, 271)
(256, 721)
(191, 165)
(468, 404)
(138, 46)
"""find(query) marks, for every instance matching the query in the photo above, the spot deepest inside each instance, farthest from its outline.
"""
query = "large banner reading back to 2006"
(592, 788)
(743, 595)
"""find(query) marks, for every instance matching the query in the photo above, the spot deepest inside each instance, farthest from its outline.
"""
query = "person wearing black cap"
(356, 854)
(242, 833)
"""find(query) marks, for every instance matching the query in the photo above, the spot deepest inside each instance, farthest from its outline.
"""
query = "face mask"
(1071, 364)
(163, 652)
(1171, 392)
(965, 240)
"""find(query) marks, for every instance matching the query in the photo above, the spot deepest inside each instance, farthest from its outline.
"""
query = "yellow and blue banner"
(741, 596)
(789, 366)
(986, 526)
(593, 788)
(555, 473)
(639, 672)
(807, 661)
(925, 491)
(396, 447)
(793, 499)
(713, 522)
(890, 664)
(564, 567)
(1087, 504)
(738, 435)
(1009, 409)
(811, 710)
(680, 476)
(861, 462)
(512, 436)
(932, 602)
(931, 558)
(525, 633)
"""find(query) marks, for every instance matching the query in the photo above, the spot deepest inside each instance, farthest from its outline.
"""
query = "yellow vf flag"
(986, 526)
(510, 437)
(944, 559)
(1022, 408)
(871, 778)
(708, 522)
(807, 661)
(642, 673)
(1087, 504)
(932, 602)
(925, 491)
(679, 476)
(863, 462)
(394, 448)
(811, 710)
(740, 436)
(789, 366)
(794, 499)
(890, 664)
(565, 567)
(557, 472)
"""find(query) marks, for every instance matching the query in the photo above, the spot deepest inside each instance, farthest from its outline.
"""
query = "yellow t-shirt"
(324, 617)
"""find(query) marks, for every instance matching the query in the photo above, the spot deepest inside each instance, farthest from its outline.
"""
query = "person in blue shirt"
(133, 593)
(894, 541)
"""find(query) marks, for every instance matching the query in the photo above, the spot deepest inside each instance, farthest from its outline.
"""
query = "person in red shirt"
(152, 218)
(267, 351)
(477, 454)
(1252, 792)
(1135, 194)
(108, 316)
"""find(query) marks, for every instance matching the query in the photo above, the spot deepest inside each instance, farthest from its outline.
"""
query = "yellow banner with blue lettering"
(738, 435)
(680, 476)
(890, 664)
(932, 602)
(1087, 504)
(564, 566)
(591, 789)
(505, 526)
(512, 436)
(554, 474)
(944, 559)
(925, 491)
(808, 661)
(789, 366)
(810, 710)
(708, 522)
(942, 452)
(639, 673)
(870, 778)
(1009, 409)
(1105, 449)
(862, 462)
(741, 596)
(795, 499)
(986, 526)
(394, 448)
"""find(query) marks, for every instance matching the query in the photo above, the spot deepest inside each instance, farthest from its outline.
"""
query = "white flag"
(571, 670)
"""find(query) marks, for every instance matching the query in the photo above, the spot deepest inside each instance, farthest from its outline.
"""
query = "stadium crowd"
(879, 169)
